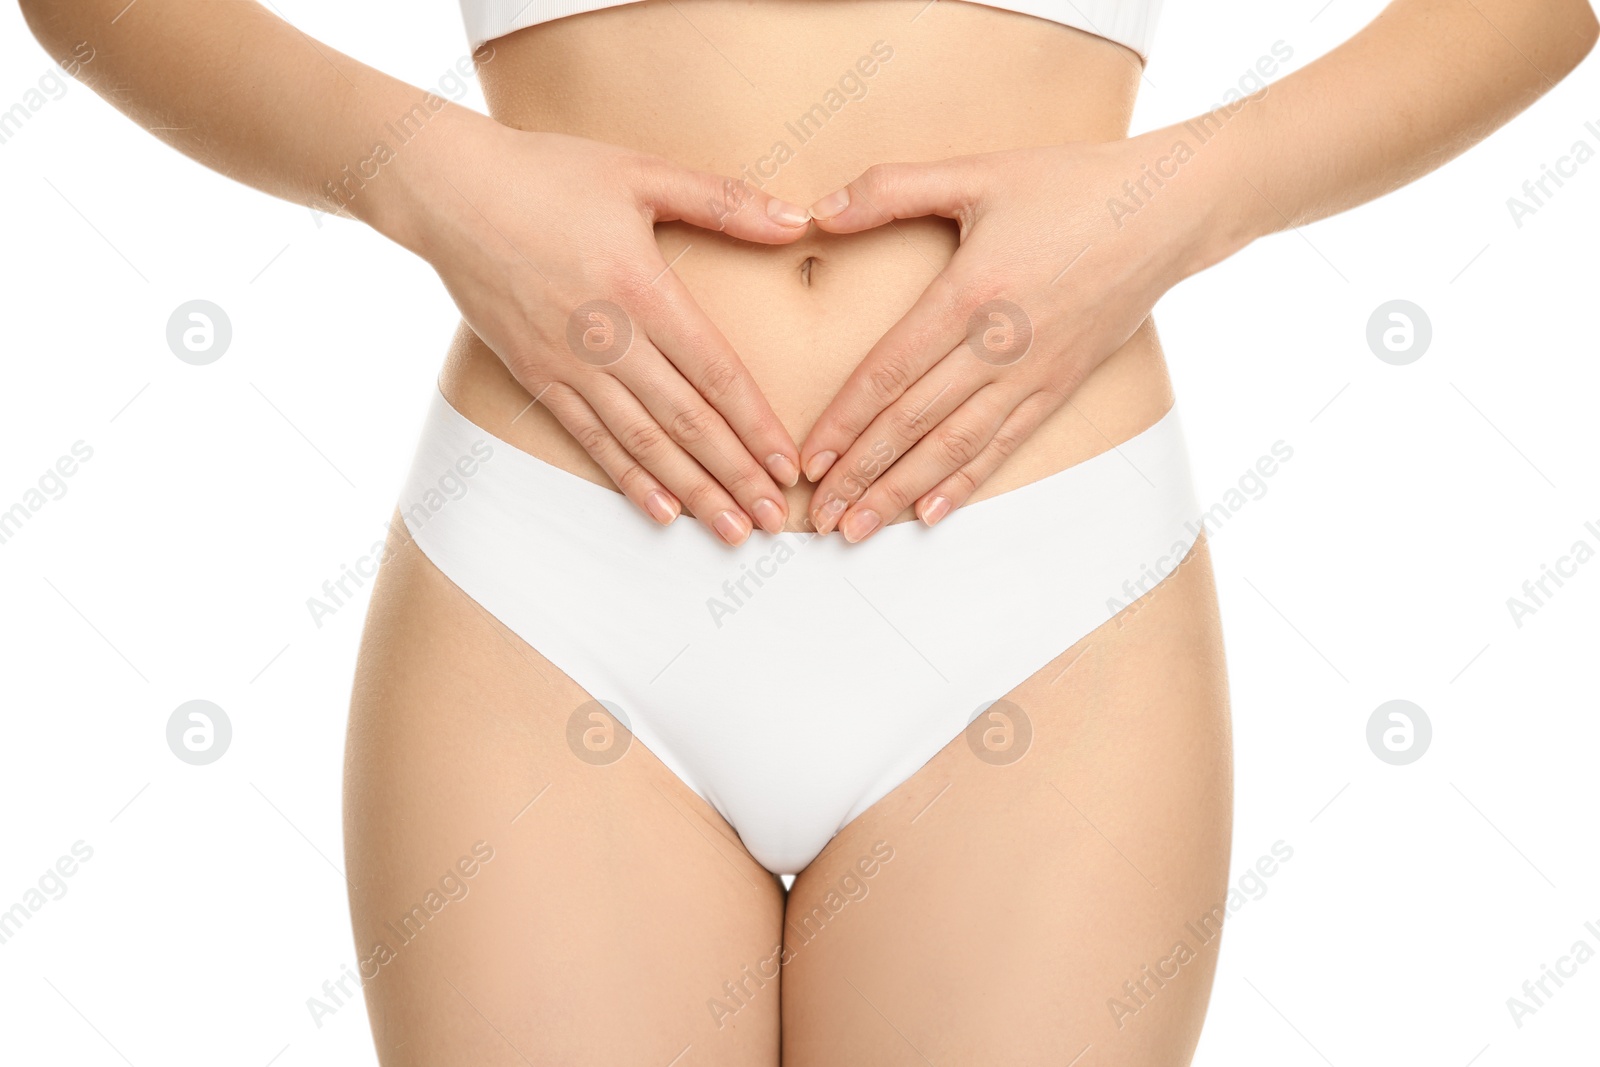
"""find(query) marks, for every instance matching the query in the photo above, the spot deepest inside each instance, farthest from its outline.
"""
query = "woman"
(955, 330)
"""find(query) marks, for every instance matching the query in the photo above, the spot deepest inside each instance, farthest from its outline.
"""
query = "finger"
(695, 426)
(671, 193)
(926, 334)
(630, 476)
(953, 491)
(638, 431)
(949, 446)
(691, 342)
(891, 436)
(888, 191)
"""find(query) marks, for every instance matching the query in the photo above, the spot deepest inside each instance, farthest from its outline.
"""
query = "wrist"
(402, 188)
(1192, 185)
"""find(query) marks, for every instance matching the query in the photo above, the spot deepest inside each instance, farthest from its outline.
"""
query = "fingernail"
(831, 205)
(937, 509)
(660, 507)
(786, 213)
(769, 515)
(730, 528)
(858, 524)
(782, 468)
(825, 516)
(819, 465)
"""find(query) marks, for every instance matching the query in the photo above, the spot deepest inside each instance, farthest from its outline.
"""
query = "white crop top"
(1127, 22)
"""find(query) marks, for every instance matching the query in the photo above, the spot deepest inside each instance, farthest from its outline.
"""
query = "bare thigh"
(518, 896)
(1021, 900)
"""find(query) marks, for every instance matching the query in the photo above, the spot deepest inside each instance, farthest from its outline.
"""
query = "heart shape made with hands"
(1060, 259)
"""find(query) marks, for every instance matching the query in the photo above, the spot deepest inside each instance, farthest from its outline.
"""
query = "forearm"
(1422, 83)
(238, 89)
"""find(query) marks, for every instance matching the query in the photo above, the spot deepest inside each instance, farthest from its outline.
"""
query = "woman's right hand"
(545, 242)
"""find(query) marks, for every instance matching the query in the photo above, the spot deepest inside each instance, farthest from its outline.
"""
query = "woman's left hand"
(1050, 278)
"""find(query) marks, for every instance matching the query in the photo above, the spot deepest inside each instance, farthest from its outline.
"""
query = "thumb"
(887, 191)
(678, 194)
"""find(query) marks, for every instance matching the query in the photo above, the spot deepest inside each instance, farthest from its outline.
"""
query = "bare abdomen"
(798, 97)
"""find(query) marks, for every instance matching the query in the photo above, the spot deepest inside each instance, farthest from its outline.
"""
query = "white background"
(1376, 566)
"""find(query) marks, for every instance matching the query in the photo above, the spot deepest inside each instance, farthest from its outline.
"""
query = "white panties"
(797, 679)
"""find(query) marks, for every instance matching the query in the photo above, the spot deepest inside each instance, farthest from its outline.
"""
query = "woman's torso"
(455, 722)
(799, 97)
